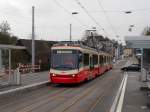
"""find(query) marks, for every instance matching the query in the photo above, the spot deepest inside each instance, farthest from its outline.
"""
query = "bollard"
(18, 77)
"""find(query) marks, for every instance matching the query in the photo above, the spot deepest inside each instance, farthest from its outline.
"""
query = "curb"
(24, 89)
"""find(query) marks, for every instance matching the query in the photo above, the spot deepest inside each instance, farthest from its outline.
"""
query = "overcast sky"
(52, 20)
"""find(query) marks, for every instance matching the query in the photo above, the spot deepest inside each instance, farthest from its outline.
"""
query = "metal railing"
(28, 68)
(14, 77)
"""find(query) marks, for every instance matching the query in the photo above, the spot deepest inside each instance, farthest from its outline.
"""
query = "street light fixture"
(128, 12)
(74, 13)
(131, 25)
(94, 28)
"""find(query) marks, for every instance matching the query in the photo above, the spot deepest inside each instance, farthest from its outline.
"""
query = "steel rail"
(64, 107)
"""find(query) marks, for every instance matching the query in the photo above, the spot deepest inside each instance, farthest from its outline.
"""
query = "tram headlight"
(73, 75)
(53, 75)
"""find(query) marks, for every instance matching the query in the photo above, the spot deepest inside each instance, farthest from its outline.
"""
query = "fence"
(28, 68)
(14, 77)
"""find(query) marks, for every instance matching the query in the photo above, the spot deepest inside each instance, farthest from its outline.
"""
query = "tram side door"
(91, 63)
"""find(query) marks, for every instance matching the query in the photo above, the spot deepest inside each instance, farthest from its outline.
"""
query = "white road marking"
(132, 76)
(120, 104)
(116, 107)
(113, 107)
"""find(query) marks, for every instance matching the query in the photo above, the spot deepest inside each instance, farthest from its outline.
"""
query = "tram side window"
(104, 59)
(86, 59)
(80, 59)
(108, 59)
(95, 59)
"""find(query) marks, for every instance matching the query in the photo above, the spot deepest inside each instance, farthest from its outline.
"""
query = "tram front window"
(66, 60)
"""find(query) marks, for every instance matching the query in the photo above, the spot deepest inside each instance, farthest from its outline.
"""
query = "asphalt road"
(94, 96)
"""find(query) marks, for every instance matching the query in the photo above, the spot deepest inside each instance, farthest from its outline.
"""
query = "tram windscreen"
(64, 59)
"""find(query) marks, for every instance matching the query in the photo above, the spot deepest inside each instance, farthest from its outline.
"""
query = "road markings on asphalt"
(118, 102)
(132, 76)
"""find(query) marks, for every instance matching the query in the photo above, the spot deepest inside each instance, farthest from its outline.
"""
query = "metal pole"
(33, 42)
(70, 32)
(9, 66)
(141, 59)
(0, 59)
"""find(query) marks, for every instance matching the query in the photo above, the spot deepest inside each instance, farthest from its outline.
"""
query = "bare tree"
(99, 42)
(4, 27)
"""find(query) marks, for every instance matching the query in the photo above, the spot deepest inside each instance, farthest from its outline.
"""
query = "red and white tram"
(75, 63)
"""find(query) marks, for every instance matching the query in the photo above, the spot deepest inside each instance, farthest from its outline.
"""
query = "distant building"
(128, 52)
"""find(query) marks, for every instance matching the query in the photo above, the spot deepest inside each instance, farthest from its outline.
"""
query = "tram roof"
(73, 44)
(77, 44)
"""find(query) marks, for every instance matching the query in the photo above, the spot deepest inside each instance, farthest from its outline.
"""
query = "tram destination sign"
(64, 51)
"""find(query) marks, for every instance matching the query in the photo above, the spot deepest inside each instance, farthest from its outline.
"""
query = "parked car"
(133, 67)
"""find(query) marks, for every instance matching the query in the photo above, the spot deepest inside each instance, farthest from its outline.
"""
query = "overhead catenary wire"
(69, 13)
(107, 18)
(119, 11)
(92, 18)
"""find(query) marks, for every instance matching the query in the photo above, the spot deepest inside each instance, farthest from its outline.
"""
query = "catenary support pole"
(70, 32)
(9, 66)
(33, 37)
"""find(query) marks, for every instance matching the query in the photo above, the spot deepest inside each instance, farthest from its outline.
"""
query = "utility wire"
(107, 17)
(68, 12)
(120, 11)
(92, 18)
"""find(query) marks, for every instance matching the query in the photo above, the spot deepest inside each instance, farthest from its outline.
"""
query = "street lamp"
(131, 25)
(73, 13)
(128, 12)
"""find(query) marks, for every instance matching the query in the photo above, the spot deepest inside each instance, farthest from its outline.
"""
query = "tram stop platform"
(137, 96)
(28, 81)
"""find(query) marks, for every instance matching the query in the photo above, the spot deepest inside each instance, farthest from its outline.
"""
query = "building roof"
(41, 46)
(138, 41)
(3, 46)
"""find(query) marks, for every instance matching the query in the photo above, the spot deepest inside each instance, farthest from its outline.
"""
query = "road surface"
(96, 95)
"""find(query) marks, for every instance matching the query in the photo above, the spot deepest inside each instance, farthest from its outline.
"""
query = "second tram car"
(73, 63)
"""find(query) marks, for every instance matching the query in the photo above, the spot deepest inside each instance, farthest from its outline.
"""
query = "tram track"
(43, 98)
(61, 98)
(98, 98)
(65, 107)
(33, 98)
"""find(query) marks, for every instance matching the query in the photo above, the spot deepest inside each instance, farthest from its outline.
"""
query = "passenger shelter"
(5, 59)
(141, 46)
